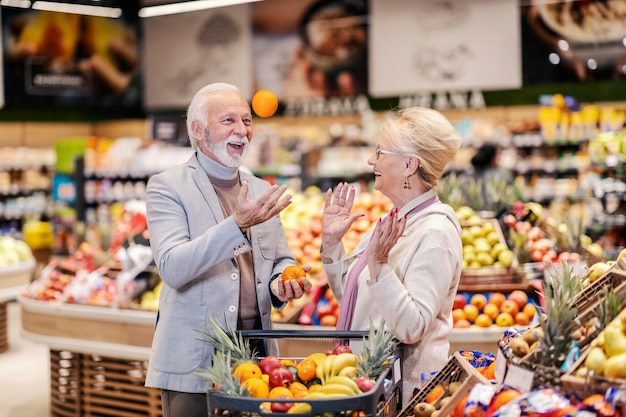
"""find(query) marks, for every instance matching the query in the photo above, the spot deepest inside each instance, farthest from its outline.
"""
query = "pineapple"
(559, 319)
(450, 191)
(228, 341)
(221, 376)
(474, 191)
(499, 194)
(377, 352)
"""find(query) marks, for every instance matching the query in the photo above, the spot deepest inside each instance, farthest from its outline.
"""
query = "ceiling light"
(187, 6)
(24, 4)
(50, 6)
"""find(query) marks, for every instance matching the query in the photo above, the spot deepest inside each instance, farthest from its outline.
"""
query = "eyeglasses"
(384, 151)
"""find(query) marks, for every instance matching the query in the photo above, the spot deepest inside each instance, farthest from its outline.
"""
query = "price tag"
(397, 371)
(500, 370)
(519, 378)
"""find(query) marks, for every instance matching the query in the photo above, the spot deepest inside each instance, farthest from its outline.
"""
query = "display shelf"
(16, 275)
(106, 331)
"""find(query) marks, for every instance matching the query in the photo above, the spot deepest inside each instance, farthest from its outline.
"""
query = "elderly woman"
(406, 270)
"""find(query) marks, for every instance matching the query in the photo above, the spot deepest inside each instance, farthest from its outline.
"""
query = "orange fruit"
(530, 310)
(491, 310)
(314, 387)
(471, 312)
(264, 103)
(328, 320)
(496, 298)
(505, 320)
(293, 272)
(511, 307)
(521, 319)
(520, 298)
(483, 320)
(298, 389)
(278, 392)
(434, 394)
(257, 387)
(479, 300)
(458, 314)
(247, 370)
(462, 324)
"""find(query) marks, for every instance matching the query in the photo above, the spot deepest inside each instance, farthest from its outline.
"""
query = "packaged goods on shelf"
(446, 389)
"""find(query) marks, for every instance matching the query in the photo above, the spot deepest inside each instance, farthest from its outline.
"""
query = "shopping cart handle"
(310, 334)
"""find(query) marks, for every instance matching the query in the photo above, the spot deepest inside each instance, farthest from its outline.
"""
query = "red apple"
(365, 384)
(459, 301)
(269, 363)
(280, 377)
(281, 407)
(341, 349)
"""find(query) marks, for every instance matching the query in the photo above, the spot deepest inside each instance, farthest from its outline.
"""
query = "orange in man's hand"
(294, 272)
(264, 103)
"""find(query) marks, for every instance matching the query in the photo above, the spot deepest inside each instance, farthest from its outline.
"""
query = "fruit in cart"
(376, 355)
(342, 360)
(306, 370)
(346, 381)
(423, 409)
(341, 348)
(294, 272)
(269, 363)
(365, 384)
(281, 407)
(280, 377)
(247, 370)
(221, 377)
(258, 387)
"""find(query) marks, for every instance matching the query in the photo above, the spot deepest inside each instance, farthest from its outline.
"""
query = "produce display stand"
(587, 302)
(98, 358)
(13, 280)
(383, 400)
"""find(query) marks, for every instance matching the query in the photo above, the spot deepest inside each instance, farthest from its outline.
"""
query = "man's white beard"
(220, 150)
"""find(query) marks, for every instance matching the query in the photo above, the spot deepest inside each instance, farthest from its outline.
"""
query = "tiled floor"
(24, 373)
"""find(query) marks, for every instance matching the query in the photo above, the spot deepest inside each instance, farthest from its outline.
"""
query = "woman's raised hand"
(337, 219)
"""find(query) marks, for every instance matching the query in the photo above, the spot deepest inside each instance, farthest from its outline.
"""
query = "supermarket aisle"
(24, 373)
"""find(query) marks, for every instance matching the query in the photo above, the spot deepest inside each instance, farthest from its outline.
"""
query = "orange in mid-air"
(294, 272)
(264, 103)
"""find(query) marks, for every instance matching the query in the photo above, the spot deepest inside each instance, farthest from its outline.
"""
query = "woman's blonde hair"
(199, 107)
(426, 134)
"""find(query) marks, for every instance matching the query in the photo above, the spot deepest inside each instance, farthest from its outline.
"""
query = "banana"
(341, 361)
(336, 388)
(300, 408)
(344, 380)
(317, 357)
(315, 395)
(324, 372)
(349, 371)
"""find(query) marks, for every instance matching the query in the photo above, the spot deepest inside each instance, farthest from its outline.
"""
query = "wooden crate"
(64, 384)
(115, 387)
(93, 386)
(4, 328)
(456, 369)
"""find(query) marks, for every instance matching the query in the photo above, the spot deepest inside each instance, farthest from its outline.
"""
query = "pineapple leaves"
(378, 350)
(228, 341)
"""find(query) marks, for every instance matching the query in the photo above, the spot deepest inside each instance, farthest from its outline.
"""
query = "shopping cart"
(383, 400)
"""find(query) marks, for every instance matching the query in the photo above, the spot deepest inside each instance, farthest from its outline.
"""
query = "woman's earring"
(406, 183)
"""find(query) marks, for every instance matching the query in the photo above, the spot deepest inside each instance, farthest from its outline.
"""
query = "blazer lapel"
(206, 188)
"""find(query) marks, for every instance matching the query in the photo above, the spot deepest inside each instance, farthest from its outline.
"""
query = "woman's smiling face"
(389, 166)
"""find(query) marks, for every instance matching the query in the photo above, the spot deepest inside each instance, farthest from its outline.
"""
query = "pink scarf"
(344, 321)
